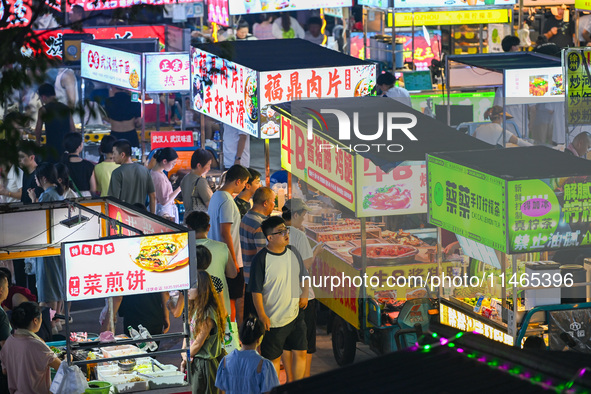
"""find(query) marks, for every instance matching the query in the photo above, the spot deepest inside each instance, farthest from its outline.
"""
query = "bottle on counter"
(136, 335)
(217, 139)
(144, 333)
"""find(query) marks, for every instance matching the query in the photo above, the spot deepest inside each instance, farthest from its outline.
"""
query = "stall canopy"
(470, 364)
(500, 62)
(515, 200)
(236, 82)
(431, 135)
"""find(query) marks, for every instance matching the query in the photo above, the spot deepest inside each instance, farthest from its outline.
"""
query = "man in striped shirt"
(252, 238)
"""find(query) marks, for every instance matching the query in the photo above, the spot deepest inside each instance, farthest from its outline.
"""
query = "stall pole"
(143, 111)
(412, 41)
(520, 17)
(504, 275)
(504, 114)
(82, 88)
(166, 114)
(187, 330)
(364, 20)
(448, 91)
(267, 163)
(480, 31)
(439, 257)
(565, 102)
(393, 39)
(513, 322)
(363, 290)
(184, 110)
(203, 132)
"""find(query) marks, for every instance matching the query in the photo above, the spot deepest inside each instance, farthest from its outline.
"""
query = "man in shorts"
(225, 227)
(280, 297)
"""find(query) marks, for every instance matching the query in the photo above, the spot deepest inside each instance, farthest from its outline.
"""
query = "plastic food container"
(122, 350)
(98, 387)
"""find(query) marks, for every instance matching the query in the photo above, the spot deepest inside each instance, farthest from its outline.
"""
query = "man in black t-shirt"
(28, 163)
(557, 30)
(58, 122)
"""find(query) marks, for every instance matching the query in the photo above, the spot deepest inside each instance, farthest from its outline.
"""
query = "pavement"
(86, 313)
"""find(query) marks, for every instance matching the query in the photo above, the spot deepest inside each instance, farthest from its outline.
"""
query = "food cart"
(237, 82)
(101, 243)
(526, 81)
(523, 203)
(142, 73)
(372, 193)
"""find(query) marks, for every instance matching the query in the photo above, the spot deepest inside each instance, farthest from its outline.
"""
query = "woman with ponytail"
(25, 357)
(207, 334)
(246, 371)
(287, 27)
(165, 161)
(46, 178)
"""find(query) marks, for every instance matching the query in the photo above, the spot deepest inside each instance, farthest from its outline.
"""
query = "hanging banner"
(126, 266)
(225, 91)
(112, 66)
(578, 85)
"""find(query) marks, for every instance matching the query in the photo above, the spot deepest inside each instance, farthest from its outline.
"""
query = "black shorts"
(236, 285)
(131, 136)
(310, 319)
(289, 337)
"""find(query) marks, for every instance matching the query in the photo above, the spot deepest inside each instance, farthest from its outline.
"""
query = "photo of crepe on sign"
(161, 253)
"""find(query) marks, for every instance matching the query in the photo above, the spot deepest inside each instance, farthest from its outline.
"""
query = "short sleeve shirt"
(277, 277)
(252, 239)
(131, 183)
(217, 269)
(223, 209)
(299, 241)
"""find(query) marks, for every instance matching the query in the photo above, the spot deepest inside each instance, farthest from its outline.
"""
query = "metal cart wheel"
(343, 341)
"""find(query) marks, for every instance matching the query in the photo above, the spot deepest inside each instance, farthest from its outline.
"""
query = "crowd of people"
(249, 262)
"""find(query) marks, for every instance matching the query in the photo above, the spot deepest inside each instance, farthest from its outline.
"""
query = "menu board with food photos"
(112, 66)
(534, 85)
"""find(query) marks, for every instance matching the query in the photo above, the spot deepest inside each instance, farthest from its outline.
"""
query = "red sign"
(141, 223)
(53, 38)
(172, 139)
(19, 12)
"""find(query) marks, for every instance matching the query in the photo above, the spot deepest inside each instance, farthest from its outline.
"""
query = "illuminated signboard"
(461, 321)
(374, 3)
(224, 90)
(172, 139)
(467, 202)
(474, 4)
(240, 7)
(93, 5)
(19, 13)
(534, 85)
(405, 19)
(52, 39)
(401, 191)
(117, 267)
(112, 66)
(217, 12)
(581, 4)
(578, 90)
(168, 72)
(288, 85)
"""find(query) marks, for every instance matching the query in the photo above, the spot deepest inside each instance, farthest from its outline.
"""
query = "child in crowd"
(246, 371)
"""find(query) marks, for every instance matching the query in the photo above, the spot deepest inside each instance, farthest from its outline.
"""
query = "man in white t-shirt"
(294, 213)
(385, 82)
(225, 227)
(236, 147)
(279, 297)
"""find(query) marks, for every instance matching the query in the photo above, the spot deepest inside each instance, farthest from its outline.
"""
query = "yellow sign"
(578, 89)
(318, 162)
(583, 5)
(405, 19)
(456, 319)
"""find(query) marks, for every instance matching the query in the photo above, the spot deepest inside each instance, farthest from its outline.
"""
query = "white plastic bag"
(231, 341)
(68, 380)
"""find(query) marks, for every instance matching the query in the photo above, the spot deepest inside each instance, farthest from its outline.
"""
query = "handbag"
(198, 204)
(231, 341)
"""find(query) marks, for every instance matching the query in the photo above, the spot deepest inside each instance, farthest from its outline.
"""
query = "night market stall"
(523, 203)
(107, 249)
(368, 211)
(237, 82)
(142, 73)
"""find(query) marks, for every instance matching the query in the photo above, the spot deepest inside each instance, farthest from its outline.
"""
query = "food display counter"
(368, 211)
(521, 216)
(115, 264)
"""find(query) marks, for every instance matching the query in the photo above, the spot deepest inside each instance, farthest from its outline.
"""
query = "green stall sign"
(467, 202)
(548, 214)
